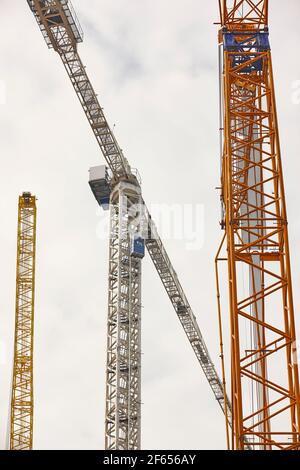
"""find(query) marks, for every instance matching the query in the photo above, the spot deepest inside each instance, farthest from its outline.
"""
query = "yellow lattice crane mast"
(264, 373)
(21, 425)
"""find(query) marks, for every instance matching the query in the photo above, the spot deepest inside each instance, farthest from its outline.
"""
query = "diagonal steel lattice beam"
(21, 424)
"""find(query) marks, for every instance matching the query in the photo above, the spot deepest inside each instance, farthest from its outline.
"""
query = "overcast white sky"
(154, 65)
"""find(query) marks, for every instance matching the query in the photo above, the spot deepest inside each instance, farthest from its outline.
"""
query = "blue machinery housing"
(253, 44)
(138, 247)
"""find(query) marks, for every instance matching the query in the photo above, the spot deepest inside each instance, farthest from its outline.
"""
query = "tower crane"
(21, 413)
(131, 229)
(256, 238)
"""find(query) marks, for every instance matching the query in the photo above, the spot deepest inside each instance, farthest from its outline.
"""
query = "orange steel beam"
(242, 13)
(264, 373)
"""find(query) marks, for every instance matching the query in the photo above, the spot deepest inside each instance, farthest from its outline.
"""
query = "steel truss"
(257, 239)
(21, 424)
(61, 31)
(185, 314)
(123, 389)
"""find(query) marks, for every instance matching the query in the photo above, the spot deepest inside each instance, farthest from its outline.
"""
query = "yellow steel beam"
(21, 424)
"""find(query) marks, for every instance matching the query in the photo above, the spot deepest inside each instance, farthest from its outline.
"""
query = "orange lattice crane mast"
(264, 373)
(21, 422)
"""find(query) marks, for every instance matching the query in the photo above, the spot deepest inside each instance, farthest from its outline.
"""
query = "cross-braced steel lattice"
(264, 371)
(61, 30)
(123, 389)
(21, 424)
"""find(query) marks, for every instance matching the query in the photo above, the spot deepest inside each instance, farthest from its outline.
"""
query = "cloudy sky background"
(154, 65)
